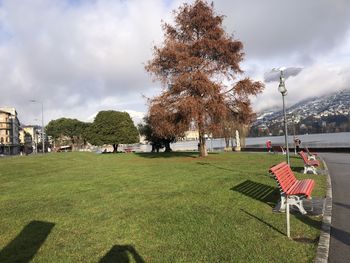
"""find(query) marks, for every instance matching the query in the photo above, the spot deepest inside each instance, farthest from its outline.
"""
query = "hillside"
(329, 113)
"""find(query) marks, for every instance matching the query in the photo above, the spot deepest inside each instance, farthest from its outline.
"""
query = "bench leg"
(298, 202)
(311, 169)
(282, 207)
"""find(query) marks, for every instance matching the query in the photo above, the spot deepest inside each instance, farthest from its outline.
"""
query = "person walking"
(297, 143)
(268, 145)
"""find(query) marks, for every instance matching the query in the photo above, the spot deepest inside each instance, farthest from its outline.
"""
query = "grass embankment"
(83, 207)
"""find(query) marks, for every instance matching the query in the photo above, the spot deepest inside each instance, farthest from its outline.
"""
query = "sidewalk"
(339, 169)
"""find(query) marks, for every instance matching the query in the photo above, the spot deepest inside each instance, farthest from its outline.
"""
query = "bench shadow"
(122, 254)
(26, 244)
(297, 169)
(261, 192)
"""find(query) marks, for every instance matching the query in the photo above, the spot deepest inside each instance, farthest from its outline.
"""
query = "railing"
(5, 125)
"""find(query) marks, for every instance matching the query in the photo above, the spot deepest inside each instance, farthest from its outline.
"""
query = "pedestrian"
(297, 143)
(268, 145)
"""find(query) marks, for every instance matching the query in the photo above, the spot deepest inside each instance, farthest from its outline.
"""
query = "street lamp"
(282, 89)
(295, 120)
(42, 124)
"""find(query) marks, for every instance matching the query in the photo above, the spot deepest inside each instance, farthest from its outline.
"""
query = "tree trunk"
(202, 145)
(167, 146)
(244, 132)
(115, 148)
(227, 142)
(72, 141)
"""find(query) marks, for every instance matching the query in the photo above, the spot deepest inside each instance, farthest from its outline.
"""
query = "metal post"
(288, 222)
(285, 130)
(42, 126)
(295, 147)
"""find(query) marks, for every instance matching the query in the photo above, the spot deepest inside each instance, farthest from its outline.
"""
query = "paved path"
(339, 168)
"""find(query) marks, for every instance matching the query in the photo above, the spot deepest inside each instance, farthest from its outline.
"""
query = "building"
(26, 141)
(9, 131)
(191, 135)
(34, 133)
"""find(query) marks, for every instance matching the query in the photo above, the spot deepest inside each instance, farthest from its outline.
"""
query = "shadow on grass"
(294, 157)
(170, 154)
(297, 169)
(121, 254)
(215, 166)
(262, 221)
(26, 244)
(308, 221)
(261, 192)
(306, 240)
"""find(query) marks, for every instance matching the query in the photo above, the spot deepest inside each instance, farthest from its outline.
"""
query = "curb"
(323, 243)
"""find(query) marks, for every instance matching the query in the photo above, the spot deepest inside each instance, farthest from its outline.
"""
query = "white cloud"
(79, 57)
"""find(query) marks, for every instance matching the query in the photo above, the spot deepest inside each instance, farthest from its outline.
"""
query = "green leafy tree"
(113, 127)
(74, 129)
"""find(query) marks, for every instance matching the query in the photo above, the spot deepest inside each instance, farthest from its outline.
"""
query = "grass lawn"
(85, 207)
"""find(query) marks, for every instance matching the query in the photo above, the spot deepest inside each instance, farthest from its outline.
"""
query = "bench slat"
(288, 183)
(307, 161)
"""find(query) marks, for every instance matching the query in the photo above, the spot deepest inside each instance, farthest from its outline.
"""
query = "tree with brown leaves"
(195, 60)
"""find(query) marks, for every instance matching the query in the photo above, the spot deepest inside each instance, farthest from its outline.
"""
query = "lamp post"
(295, 120)
(42, 124)
(282, 89)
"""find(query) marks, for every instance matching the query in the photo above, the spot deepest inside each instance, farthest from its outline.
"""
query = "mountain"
(329, 113)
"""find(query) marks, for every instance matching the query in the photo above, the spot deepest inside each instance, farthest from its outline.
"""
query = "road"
(339, 168)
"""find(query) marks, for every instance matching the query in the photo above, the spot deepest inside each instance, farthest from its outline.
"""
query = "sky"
(78, 57)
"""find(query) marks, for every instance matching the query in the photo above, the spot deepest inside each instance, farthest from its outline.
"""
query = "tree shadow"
(347, 164)
(121, 254)
(215, 166)
(340, 235)
(168, 154)
(26, 244)
(261, 192)
(308, 220)
(297, 169)
(342, 205)
(294, 157)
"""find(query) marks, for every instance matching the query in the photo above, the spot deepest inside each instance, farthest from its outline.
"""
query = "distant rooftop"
(10, 110)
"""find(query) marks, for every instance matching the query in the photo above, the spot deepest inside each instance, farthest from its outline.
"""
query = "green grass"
(84, 207)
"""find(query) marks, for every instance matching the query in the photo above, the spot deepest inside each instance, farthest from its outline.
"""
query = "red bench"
(291, 189)
(309, 165)
(128, 150)
(311, 156)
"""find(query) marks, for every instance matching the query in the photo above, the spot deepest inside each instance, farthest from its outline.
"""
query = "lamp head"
(281, 87)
